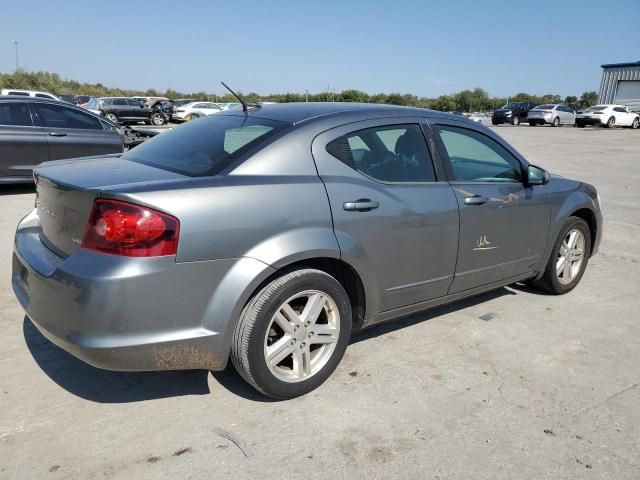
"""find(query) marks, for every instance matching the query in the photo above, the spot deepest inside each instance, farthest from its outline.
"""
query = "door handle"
(476, 200)
(58, 134)
(360, 205)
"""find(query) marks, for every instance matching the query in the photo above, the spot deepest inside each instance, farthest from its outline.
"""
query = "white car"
(608, 116)
(29, 93)
(194, 110)
(483, 118)
(553, 114)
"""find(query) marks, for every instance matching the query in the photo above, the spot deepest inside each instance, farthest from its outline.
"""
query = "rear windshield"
(547, 106)
(204, 146)
(597, 108)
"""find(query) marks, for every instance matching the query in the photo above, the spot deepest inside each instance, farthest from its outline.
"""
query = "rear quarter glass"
(206, 146)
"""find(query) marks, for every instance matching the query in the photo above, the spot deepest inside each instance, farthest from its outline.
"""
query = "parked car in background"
(552, 114)
(34, 130)
(83, 100)
(483, 118)
(230, 106)
(126, 110)
(513, 113)
(182, 101)
(29, 93)
(195, 110)
(72, 99)
(292, 226)
(608, 116)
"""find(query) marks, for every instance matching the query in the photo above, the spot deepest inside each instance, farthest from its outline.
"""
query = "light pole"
(15, 44)
(306, 95)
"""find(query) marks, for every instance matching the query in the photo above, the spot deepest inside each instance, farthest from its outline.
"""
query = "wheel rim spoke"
(283, 323)
(302, 363)
(290, 314)
(324, 334)
(313, 308)
(567, 270)
(279, 350)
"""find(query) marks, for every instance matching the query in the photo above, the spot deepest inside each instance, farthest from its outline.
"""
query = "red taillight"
(122, 228)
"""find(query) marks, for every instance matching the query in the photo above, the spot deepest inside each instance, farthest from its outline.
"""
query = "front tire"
(636, 123)
(568, 259)
(292, 334)
(112, 117)
(515, 121)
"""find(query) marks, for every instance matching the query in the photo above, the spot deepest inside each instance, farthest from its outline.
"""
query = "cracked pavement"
(510, 384)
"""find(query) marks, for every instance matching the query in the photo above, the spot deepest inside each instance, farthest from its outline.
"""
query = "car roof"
(303, 111)
(24, 98)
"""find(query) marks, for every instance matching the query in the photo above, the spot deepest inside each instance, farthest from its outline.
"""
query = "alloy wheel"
(570, 256)
(302, 336)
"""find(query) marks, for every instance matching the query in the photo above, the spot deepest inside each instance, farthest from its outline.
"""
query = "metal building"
(620, 84)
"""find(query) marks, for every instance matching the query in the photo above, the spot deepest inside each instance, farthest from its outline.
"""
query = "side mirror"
(537, 176)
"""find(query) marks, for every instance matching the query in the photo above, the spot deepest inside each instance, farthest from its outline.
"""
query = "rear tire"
(278, 349)
(112, 117)
(560, 283)
(610, 123)
(556, 122)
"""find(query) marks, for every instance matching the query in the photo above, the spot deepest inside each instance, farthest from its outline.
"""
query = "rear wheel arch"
(342, 271)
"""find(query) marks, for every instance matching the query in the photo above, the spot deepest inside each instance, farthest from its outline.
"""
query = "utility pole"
(306, 95)
(15, 44)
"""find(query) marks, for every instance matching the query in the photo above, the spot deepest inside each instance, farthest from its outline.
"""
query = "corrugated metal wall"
(610, 78)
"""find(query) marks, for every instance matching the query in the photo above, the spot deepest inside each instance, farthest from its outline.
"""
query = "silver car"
(269, 236)
(552, 114)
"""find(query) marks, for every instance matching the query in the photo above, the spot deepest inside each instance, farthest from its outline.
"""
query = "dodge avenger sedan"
(268, 235)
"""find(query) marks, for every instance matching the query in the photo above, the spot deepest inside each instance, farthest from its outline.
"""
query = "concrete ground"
(512, 384)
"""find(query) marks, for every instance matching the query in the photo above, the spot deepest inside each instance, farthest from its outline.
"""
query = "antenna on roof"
(245, 106)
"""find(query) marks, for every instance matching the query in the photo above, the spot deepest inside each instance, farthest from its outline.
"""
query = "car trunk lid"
(66, 190)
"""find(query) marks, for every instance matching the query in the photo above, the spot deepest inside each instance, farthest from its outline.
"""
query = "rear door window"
(57, 116)
(395, 153)
(474, 157)
(205, 147)
(15, 114)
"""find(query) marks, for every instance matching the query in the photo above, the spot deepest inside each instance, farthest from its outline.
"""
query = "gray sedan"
(269, 236)
(35, 130)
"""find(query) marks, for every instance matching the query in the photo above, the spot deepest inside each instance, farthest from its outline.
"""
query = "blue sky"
(420, 47)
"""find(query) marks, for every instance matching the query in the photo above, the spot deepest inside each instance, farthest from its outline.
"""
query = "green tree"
(588, 99)
(571, 99)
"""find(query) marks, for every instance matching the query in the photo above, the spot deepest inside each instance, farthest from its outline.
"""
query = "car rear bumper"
(588, 121)
(539, 120)
(121, 313)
